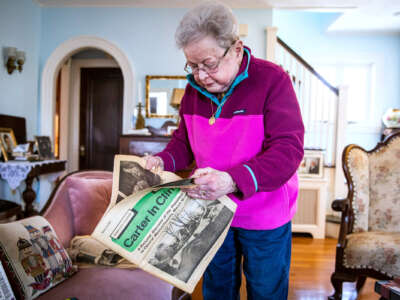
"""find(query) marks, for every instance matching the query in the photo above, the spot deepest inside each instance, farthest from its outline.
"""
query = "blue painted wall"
(20, 27)
(306, 33)
(145, 35)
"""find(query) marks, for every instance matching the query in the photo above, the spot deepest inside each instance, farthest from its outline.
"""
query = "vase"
(391, 118)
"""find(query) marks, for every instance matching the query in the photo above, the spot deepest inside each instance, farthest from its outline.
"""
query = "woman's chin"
(214, 88)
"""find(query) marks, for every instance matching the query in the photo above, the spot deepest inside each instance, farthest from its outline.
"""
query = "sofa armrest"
(178, 294)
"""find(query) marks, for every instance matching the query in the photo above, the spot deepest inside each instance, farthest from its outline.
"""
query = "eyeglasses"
(209, 68)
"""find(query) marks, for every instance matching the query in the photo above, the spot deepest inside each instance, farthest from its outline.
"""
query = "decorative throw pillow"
(33, 257)
(89, 198)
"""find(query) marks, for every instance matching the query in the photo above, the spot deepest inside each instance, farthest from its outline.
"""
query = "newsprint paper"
(162, 231)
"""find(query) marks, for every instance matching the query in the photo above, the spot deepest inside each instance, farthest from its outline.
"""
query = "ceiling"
(358, 15)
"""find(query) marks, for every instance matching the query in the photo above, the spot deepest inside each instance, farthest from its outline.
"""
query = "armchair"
(369, 237)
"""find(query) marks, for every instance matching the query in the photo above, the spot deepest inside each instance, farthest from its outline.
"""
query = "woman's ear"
(238, 48)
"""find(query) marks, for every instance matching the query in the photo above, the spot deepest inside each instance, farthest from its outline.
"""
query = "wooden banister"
(307, 66)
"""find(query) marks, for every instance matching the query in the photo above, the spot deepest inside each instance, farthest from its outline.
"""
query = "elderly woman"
(241, 123)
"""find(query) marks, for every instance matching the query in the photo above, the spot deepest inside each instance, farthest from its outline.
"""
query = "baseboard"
(332, 226)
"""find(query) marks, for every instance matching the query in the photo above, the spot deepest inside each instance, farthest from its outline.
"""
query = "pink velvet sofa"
(97, 282)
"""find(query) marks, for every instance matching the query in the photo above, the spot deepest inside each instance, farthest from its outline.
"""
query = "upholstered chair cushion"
(384, 210)
(379, 251)
(89, 199)
(359, 172)
(33, 257)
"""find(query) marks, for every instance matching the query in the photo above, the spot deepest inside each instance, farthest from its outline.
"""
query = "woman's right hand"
(154, 163)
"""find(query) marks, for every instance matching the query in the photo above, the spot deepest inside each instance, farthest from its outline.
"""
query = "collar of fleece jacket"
(243, 74)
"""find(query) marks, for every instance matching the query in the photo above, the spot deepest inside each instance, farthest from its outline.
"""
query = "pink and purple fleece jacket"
(257, 138)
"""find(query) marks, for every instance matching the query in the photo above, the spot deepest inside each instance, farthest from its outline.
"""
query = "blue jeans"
(266, 262)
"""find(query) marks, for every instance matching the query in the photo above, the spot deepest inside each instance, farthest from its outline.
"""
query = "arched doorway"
(49, 76)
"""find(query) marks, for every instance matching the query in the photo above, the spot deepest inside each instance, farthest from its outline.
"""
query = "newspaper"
(87, 252)
(6, 292)
(162, 230)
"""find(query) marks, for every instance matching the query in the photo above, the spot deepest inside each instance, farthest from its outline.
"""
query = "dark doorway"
(100, 117)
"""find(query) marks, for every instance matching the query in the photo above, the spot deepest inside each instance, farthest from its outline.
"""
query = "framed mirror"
(163, 95)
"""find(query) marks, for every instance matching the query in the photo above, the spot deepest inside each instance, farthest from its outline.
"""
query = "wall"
(312, 41)
(20, 27)
(149, 45)
(145, 35)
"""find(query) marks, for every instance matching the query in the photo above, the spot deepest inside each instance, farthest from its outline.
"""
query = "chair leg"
(337, 283)
(360, 283)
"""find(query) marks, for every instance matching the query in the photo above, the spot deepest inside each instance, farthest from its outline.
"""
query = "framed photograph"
(43, 145)
(312, 164)
(7, 142)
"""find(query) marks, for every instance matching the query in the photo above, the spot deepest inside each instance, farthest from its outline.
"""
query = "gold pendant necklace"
(212, 119)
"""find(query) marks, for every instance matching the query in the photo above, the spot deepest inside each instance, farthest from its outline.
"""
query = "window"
(359, 78)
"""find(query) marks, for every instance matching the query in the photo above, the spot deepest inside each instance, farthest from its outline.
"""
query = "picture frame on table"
(44, 147)
(3, 154)
(312, 165)
(7, 143)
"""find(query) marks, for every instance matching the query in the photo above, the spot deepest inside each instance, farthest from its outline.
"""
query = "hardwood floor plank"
(311, 268)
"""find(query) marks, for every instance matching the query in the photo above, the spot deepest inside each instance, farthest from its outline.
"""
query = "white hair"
(211, 18)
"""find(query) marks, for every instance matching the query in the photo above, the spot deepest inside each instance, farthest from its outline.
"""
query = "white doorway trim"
(53, 65)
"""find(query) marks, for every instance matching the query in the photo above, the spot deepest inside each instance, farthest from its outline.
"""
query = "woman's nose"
(202, 74)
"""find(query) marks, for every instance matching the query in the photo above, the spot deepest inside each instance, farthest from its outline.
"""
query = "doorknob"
(82, 150)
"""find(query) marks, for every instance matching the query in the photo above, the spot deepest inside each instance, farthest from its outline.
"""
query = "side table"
(8, 210)
(14, 172)
(388, 289)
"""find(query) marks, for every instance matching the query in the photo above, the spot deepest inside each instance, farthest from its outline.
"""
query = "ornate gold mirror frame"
(162, 88)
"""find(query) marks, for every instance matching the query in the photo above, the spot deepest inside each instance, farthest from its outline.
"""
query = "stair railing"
(322, 105)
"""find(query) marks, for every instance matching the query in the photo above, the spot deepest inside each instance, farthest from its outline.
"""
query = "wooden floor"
(312, 265)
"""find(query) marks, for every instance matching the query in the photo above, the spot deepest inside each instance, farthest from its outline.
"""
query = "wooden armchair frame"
(342, 273)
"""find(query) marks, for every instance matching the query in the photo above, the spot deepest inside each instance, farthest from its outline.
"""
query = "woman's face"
(206, 51)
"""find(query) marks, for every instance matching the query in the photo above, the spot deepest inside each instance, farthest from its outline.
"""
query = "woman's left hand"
(211, 184)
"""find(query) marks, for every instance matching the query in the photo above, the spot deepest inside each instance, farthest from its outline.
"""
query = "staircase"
(322, 105)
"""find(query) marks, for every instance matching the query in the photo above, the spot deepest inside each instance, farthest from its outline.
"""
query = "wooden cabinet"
(141, 145)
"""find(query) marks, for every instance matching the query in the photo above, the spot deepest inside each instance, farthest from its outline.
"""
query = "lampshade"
(21, 56)
(12, 52)
(176, 97)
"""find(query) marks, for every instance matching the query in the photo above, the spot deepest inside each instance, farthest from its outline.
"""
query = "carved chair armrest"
(342, 205)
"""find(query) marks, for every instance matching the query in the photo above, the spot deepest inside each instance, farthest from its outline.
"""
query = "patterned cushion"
(33, 257)
(357, 162)
(384, 210)
(375, 250)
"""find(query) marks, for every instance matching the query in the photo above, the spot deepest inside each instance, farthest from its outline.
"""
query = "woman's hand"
(154, 163)
(211, 184)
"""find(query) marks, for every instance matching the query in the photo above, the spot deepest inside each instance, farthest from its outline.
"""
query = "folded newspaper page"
(162, 230)
(87, 252)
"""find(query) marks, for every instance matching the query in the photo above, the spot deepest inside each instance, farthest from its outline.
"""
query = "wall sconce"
(14, 59)
(243, 30)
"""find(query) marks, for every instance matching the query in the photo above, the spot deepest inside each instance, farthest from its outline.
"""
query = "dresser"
(141, 145)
